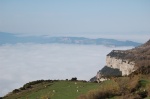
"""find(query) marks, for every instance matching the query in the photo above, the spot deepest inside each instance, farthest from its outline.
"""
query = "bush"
(143, 94)
(16, 91)
(29, 85)
(107, 89)
(74, 79)
(66, 79)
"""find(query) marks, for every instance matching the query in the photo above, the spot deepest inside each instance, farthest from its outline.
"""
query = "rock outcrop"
(124, 65)
(124, 62)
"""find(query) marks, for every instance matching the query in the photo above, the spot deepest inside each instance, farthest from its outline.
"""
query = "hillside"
(48, 89)
(132, 87)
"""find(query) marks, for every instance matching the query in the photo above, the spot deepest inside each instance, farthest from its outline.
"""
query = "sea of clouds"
(21, 63)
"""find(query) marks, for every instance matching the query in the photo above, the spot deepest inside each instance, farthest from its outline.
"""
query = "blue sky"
(75, 17)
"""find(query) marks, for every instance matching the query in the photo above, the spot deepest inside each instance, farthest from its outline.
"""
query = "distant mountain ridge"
(8, 38)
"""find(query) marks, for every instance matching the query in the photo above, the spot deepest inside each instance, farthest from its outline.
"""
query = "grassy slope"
(63, 90)
(136, 87)
(116, 88)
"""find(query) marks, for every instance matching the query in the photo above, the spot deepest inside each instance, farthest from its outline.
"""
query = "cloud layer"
(21, 63)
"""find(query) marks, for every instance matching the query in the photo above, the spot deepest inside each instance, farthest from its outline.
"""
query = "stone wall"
(124, 66)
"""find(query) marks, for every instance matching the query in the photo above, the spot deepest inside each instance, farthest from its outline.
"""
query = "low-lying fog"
(21, 63)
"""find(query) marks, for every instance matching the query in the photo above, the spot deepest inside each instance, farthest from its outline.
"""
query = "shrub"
(108, 89)
(82, 97)
(66, 79)
(143, 94)
(74, 79)
(16, 91)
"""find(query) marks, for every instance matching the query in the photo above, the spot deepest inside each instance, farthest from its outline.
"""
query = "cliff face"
(124, 62)
(128, 61)
(125, 66)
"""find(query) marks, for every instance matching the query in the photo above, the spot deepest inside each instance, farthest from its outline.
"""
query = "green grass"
(143, 83)
(63, 90)
(116, 88)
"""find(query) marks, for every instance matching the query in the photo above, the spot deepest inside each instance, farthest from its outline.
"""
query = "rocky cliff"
(124, 62)
(124, 65)
(128, 61)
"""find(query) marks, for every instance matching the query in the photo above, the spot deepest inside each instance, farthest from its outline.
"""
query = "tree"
(74, 79)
